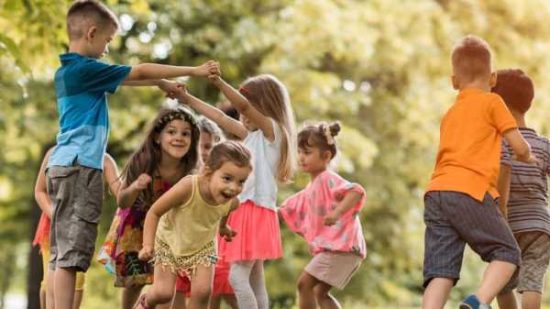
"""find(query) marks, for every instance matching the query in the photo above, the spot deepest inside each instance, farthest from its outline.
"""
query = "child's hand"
(146, 253)
(215, 80)
(331, 218)
(209, 68)
(141, 182)
(171, 88)
(227, 233)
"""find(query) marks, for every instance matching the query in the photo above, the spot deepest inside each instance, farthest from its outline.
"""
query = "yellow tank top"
(189, 227)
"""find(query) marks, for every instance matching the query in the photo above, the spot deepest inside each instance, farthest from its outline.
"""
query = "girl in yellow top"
(185, 221)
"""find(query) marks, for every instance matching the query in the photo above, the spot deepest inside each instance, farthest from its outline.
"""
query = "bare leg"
(436, 293)
(78, 295)
(42, 298)
(323, 297)
(162, 290)
(130, 296)
(496, 276)
(201, 284)
(531, 300)
(231, 300)
(179, 301)
(50, 299)
(64, 283)
(306, 295)
(507, 300)
(215, 302)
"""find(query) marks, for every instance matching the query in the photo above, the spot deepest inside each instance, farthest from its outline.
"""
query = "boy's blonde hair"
(471, 59)
(270, 97)
(86, 13)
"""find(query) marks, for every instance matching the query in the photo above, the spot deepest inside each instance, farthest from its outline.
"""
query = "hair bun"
(334, 128)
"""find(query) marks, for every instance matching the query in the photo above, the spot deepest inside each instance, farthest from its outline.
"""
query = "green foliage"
(380, 67)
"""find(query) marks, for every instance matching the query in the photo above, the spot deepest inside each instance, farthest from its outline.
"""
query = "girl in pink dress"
(326, 215)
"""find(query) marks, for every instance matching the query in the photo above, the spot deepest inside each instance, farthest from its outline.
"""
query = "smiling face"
(175, 139)
(227, 181)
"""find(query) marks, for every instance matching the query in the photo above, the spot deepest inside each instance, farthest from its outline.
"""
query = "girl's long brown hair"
(147, 157)
(267, 94)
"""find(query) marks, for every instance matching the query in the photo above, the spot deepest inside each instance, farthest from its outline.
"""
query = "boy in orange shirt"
(460, 204)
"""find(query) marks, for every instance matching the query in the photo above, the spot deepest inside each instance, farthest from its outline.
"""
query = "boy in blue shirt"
(74, 174)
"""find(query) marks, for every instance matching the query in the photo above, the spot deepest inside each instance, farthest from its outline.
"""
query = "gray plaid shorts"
(454, 219)
(535, 256)
(76, 193)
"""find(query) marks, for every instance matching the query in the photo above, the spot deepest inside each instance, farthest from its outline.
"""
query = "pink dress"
(305, 211)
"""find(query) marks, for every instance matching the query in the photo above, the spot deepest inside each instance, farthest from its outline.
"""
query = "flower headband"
(177, 114)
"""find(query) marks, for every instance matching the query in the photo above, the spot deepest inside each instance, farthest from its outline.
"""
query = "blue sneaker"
(472, 302)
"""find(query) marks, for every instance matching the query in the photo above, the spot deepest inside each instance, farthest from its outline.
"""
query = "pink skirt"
(258, 234)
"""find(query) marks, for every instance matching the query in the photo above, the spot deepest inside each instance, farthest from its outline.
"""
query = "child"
(168, 153)
(183, 241)
(42, 236)
(460, 202)
(527, 201)
(210, 136)
(267, 127)
(81, 86)
(326, 214)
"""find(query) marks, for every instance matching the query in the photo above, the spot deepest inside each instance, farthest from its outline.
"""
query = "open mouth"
(227, 195)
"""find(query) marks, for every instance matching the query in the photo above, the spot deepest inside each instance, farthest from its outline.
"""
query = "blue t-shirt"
(81, 86)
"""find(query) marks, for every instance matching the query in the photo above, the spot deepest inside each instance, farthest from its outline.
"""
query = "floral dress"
(119, 252)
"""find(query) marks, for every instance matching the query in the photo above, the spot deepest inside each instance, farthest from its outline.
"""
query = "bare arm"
(128, 193)
(154, 71)
(111, 175)
(243, 106)
(350, 199)
(503, 187)
(40, 189)
(220, 118)
(179, 193)
(225, 230)
(522, 150)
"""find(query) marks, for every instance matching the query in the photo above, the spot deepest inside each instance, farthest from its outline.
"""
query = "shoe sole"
(465, 306)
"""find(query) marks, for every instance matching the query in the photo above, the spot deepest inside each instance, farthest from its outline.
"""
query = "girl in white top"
(267, 128)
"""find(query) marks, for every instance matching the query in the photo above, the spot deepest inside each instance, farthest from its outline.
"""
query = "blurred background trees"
(380, 67)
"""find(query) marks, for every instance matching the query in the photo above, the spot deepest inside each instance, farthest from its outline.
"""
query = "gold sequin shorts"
(184, 265)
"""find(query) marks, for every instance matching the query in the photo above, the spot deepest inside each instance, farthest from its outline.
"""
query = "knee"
(163, 297)
(236, 281)
(320, 293)
(304, 285)
(201, 294)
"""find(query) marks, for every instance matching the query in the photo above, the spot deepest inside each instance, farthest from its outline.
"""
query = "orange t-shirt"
(468, 159)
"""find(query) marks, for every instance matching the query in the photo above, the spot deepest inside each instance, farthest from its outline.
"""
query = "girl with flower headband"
(326, 214)
(266, 127)
(168, 153)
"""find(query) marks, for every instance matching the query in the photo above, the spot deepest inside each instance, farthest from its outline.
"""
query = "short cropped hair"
(515, 88)
(85, 13)
(471, 59)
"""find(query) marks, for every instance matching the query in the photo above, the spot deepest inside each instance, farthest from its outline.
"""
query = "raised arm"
(503, 187)
(111, 175)
(128, 193)
(219, 117)
(174, 197)
(40, 188)
(522, 150)
(243, 106)
(154, 71)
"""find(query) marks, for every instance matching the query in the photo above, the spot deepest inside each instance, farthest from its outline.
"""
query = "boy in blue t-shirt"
(74, 173)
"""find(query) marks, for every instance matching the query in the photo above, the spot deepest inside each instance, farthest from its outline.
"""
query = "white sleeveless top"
(261, 185)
